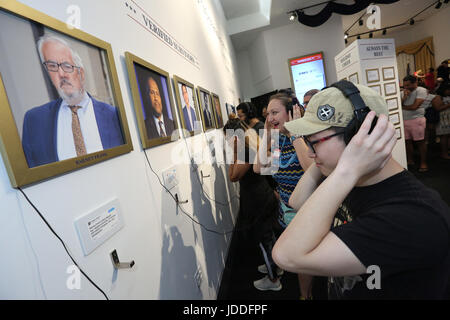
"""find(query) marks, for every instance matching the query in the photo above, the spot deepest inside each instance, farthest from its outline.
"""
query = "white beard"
(72, 99)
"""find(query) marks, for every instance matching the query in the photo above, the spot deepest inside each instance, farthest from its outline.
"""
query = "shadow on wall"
(178, 262)
(212, 209)
(214, 244)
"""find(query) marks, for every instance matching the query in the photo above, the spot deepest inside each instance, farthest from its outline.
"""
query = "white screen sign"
(307, 73)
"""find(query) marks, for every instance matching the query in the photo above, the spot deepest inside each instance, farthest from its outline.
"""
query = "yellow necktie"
(76, 130)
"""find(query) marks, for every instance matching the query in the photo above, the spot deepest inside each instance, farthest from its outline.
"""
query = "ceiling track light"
(438, 5)
(346, 35)
(361, 22)
(371, 35)
(384, 31)
(411, 22)
(294, 14)
(358, 37)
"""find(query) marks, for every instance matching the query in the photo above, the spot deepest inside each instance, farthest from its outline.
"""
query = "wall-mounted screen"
(307, 72)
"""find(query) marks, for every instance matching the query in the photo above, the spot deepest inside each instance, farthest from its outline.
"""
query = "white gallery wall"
(436, 26)
(175, 257)
(268, 55)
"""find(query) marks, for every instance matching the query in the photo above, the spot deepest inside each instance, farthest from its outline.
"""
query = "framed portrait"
(354, 78)
(217, 111)
(61, 108)
(392, 104)
(153, 102)
(233, 109)
(390, 88)
(372, 75)
(206, 109)
(230, 109)
(398, 133)
(388, 73)
(376, 88)
(187, 105)
(394, 118)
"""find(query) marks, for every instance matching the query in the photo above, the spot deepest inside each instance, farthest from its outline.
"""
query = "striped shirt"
(288, 174)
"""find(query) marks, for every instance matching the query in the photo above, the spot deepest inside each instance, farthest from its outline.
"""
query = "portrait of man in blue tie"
(73, 125)
(207, 114)
(190, 118)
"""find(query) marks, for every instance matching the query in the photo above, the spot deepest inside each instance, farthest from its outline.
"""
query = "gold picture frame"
(33, 154)
(376, 88)
(392, 104)
(217, 111)
(398, 133)
(190, 124)
(394, 118)
(390, 88)
(388, 73)
(149, 83)
(206, 113)
(372, 75)
(352, 79)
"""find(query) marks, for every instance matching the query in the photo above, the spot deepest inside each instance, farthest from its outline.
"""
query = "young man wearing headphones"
(399, 228)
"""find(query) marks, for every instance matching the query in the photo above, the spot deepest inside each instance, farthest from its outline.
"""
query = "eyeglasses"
(311, 144)
(54, 66)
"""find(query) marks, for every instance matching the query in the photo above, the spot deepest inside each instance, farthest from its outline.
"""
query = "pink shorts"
(415, 129)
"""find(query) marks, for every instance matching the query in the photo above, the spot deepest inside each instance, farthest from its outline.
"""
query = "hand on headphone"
(366, 152)
(297, 112)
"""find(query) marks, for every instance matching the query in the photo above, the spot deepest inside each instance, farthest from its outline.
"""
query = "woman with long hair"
(292, 159)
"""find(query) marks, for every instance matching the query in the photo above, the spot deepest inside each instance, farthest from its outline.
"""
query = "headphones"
(360, 110)
(248, 109)
(292, 99)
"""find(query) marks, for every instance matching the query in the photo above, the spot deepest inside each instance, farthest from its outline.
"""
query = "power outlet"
(170, 178)
(198, 277)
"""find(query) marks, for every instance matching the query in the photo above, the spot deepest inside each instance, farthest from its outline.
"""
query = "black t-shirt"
(402, 227)
(443, 72)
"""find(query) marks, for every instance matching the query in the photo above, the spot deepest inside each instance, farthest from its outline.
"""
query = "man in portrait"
(157, 122)
(218, 112)
(188, 111)
(73, 125)
(206, 113)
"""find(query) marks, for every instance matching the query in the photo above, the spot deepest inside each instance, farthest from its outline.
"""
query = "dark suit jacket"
(186, 118)
(40, 131)
(152, 130)
(208, 118)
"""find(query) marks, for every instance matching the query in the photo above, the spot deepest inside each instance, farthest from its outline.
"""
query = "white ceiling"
(238, 8)
(245, 17)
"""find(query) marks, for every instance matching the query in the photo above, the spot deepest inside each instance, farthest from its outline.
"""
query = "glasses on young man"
(53, 66)
(311, 144)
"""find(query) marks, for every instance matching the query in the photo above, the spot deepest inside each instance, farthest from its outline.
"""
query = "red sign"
(306, 59)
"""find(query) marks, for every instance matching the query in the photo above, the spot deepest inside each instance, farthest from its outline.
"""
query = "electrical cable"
(189, 215)
(201, 184)
(178, 203)
(62, 242)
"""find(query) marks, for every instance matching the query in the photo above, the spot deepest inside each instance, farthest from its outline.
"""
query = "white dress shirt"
(157, 125)
(88, 123)
(188, 108)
